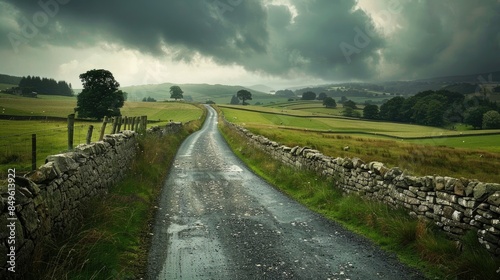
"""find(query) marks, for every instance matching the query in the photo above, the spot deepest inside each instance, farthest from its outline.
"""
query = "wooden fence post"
(115, 125)
(125, 123)
(144, 122)
(137, 124)
(120, 119)
(33, 151)
(89, 134)
(103, 128)
(132, 123)
(71, 129)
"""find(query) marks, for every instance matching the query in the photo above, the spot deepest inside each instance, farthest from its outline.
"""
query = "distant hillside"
(192, 92)
(9, 80)
(261, 88)
(472, 78)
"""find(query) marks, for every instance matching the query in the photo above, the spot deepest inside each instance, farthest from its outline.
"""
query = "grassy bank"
(113, 240)
(415, 242)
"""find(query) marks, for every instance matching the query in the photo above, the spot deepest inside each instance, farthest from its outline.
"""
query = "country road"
(218, 220)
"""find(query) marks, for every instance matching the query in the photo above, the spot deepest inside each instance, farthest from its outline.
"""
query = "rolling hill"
(193, 92)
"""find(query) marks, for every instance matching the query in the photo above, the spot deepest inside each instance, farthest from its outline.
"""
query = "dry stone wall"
(48, 201)
(169, 128)
(456, 205)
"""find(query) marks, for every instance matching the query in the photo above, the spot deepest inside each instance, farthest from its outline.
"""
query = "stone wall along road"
(217, 220)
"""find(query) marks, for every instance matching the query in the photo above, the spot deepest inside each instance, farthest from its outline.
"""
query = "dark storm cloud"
(259, 37)
(146, 24)
(327, 39)
(440, 38)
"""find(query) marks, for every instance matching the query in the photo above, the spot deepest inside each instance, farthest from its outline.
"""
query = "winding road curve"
(218, 220)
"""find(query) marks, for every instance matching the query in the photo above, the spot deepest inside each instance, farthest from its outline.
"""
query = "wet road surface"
(217, 220)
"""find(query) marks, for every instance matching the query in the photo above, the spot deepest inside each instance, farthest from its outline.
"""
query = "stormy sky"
(275, 42)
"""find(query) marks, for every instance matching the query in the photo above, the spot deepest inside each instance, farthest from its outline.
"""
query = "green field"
(6, 86)
(15, 136)
(60, 106)
(300, 119)
(436, 151)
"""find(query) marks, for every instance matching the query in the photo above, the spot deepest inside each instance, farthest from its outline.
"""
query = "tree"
(322, 96)
(391, 110)
(491, 120)
(176, 92)
(285, 93)
(350, 103)
(329, 103)
(370, 112)
(350, 112)
(100, 96)
(243, 95)
(148, 99)
(474, 116)
(308, 95)
(235, 100)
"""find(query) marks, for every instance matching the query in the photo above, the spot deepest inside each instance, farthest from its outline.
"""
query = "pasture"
(420, 150)
(15, 136)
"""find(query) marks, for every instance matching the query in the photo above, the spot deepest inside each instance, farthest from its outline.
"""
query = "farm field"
(60, 106)
(15, 136)
(327, 124)
(471, 156)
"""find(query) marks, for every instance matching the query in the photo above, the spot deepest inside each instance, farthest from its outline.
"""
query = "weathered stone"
(494, 199)
(459, 188)
(440, 183)
(457, 216)
(29, 185)
(447, 197)
(62, 162)
(44, 173)
(483, 190)
(347, 163)
(357, 162)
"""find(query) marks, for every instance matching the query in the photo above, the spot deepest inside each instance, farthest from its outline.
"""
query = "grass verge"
(416, 242)
(113, 240)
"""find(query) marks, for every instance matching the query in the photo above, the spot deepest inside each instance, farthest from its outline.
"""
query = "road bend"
(218, 220)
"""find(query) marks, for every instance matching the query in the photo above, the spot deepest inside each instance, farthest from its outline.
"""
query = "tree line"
(45, 86)
(437, 108)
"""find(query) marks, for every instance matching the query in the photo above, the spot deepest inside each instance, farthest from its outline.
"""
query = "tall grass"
(416, 242)
(113, 239)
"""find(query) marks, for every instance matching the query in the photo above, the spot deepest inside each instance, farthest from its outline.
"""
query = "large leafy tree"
(100, 96)
(308, 95)
(176, 92)
(474, 116)
(370, 112)
(390, 110)
(243, 95)
(329, 102)
(491, 120)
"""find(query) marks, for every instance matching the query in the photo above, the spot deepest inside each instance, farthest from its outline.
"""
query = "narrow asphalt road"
(218, 220)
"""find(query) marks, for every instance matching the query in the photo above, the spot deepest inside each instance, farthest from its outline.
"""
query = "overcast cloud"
(245, 42)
